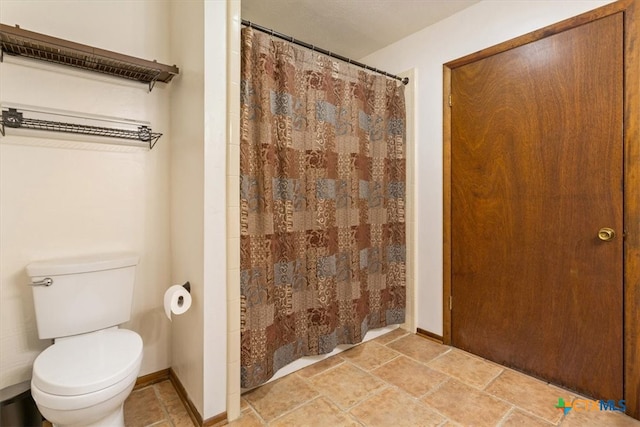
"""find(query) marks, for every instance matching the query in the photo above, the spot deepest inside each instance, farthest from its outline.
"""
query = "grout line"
(420, 361)
(385, 363)
(435, 389)
(450, 350)
(165, 411)
(416, 399)
(493, 380)
(284, 414)
(431, 408)
(330, 368)
(395, 339)
(438, 387)
(506, 415)
(402, 389)
(257, 414)
(538, 417)
(369, 370)
(355, 419)
(367, 397)
(518, 407)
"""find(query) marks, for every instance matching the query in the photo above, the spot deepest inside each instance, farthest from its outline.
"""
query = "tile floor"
(398, 379)
(401, 379)
(157, 405)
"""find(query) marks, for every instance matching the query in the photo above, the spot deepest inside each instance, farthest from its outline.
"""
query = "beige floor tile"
(519, 418)
(346, 384)
(369, 355)
(319, 367)
(390, 336)
(411, 376)
(319, 412)
(174, 406)
(528, 393)
(143, 408)
(244, 404)
(273, 399)
(598, 419)
(178, 414)
(247, 419)
(420, 349)
(466, 405)
(394, 408)
(466, 368)
(166, 391)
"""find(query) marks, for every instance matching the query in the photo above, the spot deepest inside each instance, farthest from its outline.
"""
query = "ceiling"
(352, 28)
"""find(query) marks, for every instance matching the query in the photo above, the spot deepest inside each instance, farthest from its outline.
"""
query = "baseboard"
(218, 420)
(169, 374)
(191, 408)
(429, 335)
(152, 378)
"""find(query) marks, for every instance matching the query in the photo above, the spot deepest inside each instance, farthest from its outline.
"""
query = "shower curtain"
(322, 165)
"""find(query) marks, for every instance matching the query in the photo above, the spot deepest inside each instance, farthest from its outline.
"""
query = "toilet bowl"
(84, 378)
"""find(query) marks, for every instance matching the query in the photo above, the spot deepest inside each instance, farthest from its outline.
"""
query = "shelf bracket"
(152, 83)
(11, 118)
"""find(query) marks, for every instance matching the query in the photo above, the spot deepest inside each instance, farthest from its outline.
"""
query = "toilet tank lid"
(82, 264)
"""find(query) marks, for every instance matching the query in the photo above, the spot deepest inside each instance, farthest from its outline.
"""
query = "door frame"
(631, 177)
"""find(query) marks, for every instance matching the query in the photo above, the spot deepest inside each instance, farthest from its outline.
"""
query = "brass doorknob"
(605, 234)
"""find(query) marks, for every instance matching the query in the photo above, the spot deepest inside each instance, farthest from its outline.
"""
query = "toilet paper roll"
(177, 300)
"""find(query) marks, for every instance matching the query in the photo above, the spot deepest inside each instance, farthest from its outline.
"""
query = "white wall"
(475, 28)
(187, 191)
(62, 197)
(198, 205)
(216, 51)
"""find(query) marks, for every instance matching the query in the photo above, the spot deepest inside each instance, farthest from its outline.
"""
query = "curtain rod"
(290, 39)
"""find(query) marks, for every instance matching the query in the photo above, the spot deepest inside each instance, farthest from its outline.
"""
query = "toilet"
(84, 378)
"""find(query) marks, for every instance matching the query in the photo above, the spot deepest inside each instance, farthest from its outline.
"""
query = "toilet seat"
(81, 401)
(88, 363)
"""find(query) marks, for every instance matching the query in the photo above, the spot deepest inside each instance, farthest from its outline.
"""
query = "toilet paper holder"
(177, 299)
(187, 286)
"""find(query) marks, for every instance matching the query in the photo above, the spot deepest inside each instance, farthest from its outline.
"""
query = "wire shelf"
(11, 118)
(19, 42)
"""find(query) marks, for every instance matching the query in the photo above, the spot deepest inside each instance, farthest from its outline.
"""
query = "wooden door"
(536, 172)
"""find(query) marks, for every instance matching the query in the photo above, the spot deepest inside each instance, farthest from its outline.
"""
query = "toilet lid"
(87, 363)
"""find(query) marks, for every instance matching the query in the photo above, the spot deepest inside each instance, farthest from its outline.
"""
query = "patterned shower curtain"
(322, 165)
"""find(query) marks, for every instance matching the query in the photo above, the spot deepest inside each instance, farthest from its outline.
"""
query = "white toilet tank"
(86, 294)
